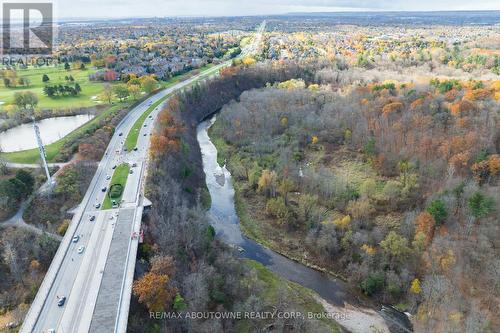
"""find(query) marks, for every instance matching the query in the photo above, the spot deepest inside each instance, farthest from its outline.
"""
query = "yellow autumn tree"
(415, 287)
(268, 183)
(368, 249)
(343, 222)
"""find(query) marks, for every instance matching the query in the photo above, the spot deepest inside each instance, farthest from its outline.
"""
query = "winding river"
(334, 294)
(22, 137)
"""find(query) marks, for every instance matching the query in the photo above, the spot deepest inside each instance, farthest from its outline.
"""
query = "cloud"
(150, 8)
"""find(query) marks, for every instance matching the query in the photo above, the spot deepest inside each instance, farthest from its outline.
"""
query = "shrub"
(277, 208)
(61, 230)
(179, 303)
(372, 284)
(392, 190)
(368, 188)
(115, 191)
(361, 208)
(343, 222)
(480, 205)
(438, 211)
(369, 147)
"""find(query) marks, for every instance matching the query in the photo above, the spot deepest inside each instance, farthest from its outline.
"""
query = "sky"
(162, 8)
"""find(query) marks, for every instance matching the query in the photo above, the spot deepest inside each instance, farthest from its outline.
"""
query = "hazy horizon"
(92, 9)
(277, 14)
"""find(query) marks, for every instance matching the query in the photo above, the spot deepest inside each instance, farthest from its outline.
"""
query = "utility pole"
(41, 149)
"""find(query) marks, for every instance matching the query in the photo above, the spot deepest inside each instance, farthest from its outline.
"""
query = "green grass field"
(119, 177)
(57, 76)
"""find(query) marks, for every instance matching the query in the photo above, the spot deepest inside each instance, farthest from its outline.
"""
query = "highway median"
(118, 182)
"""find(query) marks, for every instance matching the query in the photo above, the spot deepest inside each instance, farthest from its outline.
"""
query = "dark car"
(92, 218)
(97, 205)
(120, 134)
(104, 189)
(135, 149)
(61, 301)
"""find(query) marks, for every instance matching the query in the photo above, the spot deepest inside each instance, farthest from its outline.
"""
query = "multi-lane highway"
(92, 270)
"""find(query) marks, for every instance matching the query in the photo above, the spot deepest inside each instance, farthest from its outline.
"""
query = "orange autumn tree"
(154, 289)
(159, 145)
(425, 224)
(392, 107)
(167, 135)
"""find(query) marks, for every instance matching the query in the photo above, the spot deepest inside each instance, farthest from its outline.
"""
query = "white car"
(81, 249)
(76, 238)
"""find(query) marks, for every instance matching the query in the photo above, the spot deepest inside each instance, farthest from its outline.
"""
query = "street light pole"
(41, 148)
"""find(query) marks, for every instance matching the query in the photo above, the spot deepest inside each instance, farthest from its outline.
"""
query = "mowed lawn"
(57, 76)
(119, 177)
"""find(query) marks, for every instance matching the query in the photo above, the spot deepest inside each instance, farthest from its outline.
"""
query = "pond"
(22, 137)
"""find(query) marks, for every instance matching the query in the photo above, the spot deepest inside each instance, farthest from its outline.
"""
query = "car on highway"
(145, 125)
(51, 330)
(134, 165)
(108, 177)
(92, 218)
(120, 134)
(81, 249)
(135, 149)
(114, 167)
(104, 189)
(150, 116)
(131, 171)
(97, 205)
(61, 300)
(75, 238)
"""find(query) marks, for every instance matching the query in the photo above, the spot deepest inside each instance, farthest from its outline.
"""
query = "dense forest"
(182, 266)
(392, 185)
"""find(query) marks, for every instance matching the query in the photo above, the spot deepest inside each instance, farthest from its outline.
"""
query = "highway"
(95, 271)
